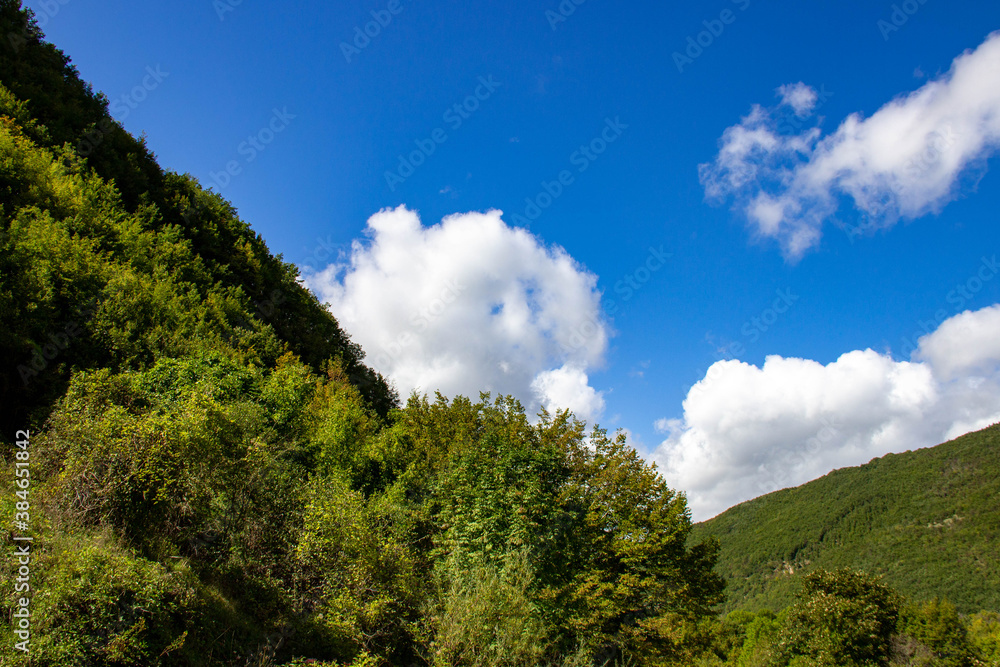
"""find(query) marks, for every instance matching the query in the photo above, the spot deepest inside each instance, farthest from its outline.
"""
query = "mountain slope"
(113, 219)
(928, 520)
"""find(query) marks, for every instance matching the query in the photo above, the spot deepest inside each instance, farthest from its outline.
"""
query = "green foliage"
(196, 460)
(927, 521)
(68, 109)
(936, 626)
(285, 394)
(258, 494)
(343, 432)
(759, 647)
(486, 615)
(499, 492)
(750, 638)
(849, 618)
(984, 635)
(96, 604)
(355, 570)
(638, 587)
(115, 460)
(604, 535)
(841, 618)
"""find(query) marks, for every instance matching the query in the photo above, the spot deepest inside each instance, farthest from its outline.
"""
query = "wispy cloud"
(905, 161)
(800, 97)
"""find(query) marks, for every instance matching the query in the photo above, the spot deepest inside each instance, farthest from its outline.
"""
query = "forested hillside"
(111, 262)
(928, 520)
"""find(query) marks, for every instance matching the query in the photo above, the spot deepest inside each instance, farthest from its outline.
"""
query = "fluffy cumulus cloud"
(747, 431)
(905, 161)
(567, 387)
(963, 344)
(470, 304)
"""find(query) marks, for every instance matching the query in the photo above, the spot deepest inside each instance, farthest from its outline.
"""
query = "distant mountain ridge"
(927, 520)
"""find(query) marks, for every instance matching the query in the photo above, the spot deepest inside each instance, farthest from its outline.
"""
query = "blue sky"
(345, 115)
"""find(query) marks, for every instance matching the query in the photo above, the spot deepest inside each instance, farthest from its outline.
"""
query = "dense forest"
(926, 520)
(215, 477)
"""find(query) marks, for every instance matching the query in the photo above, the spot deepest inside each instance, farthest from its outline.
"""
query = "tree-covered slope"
(105, 256)
(928, 520)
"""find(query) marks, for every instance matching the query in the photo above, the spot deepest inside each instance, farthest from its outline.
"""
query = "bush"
(984, 635)
(843, 618)
(484, 616)
(95, 604)
(356, 572)
(937, 626)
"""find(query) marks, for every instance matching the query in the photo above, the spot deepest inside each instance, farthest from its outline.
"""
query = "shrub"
(96, 604)
(843, 618)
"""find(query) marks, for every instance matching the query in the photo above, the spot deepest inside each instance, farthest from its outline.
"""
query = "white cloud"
(964, 344)
(568, 387)
(470, 304)
(799, 96)
(904, 161)
(747, 431)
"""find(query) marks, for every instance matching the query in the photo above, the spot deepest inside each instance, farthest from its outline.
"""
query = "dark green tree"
(937, 626)
(844, 618)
